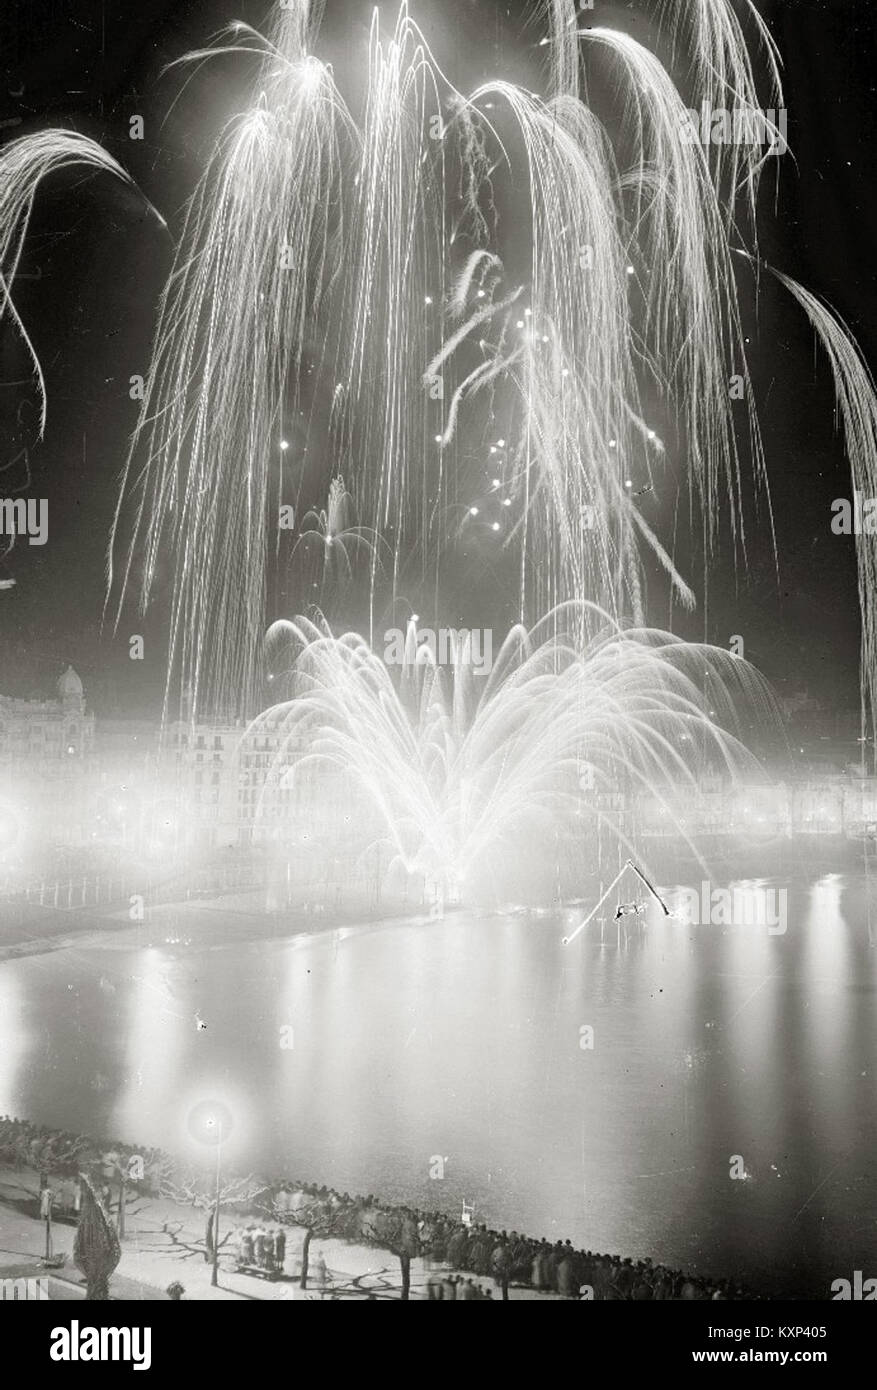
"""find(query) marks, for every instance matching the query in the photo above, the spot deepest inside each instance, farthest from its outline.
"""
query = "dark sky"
(100, 258)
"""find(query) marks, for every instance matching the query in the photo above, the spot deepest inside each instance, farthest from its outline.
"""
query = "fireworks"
(464, 771)
(259, 249)
(724, 75)
(24, 163)
(332, 533)
(357, 279)
(857, 407)
(376, 257)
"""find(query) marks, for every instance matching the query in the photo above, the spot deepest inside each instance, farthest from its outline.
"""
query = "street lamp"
(214, 1276)
(211, 1123)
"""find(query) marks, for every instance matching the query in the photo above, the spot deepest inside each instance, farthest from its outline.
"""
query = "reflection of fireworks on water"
(360, 278)
(463, 773)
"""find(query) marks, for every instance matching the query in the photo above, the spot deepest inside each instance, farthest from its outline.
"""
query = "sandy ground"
(218, 921)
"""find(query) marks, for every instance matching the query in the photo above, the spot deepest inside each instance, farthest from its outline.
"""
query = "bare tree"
(399, 1232)
(194, 1189)
(317, 1216)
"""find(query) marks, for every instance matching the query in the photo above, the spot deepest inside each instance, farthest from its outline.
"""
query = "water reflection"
(153, 1037)
(359, 1057)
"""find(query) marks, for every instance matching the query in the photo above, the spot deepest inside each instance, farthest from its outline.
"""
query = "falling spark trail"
(364, 268)
(856, 397)
(24, 163)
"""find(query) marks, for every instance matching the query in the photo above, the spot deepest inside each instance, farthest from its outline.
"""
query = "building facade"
(47, 739)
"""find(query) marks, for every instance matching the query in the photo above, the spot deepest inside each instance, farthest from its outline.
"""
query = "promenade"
(164, 1243)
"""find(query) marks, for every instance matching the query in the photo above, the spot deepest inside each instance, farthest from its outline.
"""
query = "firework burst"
(459, 769)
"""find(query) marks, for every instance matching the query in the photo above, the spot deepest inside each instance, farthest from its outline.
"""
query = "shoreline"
(232, 918)
(196, 924)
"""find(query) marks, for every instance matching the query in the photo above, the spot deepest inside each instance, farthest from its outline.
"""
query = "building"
(45, 747)
(241, 784)
(47, 739)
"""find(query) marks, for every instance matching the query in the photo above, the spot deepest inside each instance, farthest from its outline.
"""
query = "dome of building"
(70, 686)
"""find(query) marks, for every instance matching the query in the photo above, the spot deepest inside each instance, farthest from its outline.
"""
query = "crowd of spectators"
(457, 1252)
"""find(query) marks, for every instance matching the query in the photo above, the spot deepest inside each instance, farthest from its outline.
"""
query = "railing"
(67, 895)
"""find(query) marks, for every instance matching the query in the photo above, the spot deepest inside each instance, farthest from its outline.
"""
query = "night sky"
(96, 258)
